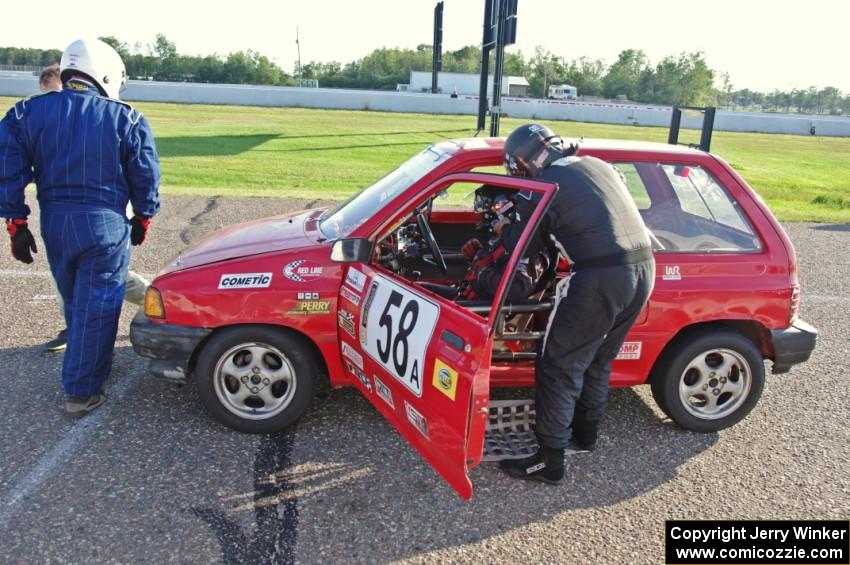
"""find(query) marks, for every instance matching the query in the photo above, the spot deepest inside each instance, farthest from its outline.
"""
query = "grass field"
(330, 154)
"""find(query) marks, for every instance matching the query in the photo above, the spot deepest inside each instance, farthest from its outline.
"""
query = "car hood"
(277, 233)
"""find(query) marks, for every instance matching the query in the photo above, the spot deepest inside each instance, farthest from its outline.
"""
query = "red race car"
(259, 313)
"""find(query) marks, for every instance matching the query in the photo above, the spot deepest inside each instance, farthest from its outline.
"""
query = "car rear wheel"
(255, 379)
(709, 380)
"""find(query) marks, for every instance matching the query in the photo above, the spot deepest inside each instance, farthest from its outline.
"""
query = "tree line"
(683, 79)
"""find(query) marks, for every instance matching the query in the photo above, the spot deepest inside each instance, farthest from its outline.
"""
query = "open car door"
(421, 359)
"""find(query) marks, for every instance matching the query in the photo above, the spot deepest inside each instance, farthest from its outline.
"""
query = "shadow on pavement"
(832, 227)
(360, 490)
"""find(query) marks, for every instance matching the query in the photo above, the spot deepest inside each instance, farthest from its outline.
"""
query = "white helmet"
(98, 61)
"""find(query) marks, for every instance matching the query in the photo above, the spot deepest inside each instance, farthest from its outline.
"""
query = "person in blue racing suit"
(89, 155)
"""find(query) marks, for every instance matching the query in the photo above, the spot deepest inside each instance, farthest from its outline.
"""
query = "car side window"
(637, 189)
(687, 209)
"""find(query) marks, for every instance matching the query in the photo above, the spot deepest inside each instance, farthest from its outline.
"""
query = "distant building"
(563, 92)
(464, 83)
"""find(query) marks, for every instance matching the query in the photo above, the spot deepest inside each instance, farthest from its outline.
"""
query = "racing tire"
(708, 380)
(256, 379)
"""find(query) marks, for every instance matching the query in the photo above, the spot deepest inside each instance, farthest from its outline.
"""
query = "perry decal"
(672, 273)
(303, 270)
(355, 279)
(630, 350)
(445, 379)
(311, 307)
(352, 355)
(383, 392)
(245, 280)
(346, 321)
(350, 295)
(417, 419)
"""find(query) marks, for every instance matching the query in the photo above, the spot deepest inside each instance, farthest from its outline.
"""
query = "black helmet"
(530, 149)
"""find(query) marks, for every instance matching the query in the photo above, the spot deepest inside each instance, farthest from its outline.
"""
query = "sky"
(762, 44)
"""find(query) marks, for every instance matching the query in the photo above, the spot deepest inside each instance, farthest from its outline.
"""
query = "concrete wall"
(599, 112)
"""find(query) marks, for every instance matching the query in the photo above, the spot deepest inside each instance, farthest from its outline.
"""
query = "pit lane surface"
(150, 478)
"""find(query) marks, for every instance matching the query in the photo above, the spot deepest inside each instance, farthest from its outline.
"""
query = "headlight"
(153, 304)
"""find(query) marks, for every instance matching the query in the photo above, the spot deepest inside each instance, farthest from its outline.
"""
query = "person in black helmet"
(595, 222)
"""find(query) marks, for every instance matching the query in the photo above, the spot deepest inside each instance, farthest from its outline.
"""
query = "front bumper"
(168, 346)
(792, 345)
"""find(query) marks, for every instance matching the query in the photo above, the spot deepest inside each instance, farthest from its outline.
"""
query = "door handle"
(454, 341)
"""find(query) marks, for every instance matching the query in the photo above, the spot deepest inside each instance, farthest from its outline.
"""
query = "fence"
(528, 108)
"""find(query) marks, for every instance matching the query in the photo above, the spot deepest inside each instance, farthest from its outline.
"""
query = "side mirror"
(353, 250)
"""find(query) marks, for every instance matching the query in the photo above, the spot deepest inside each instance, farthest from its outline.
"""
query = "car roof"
(588, 144)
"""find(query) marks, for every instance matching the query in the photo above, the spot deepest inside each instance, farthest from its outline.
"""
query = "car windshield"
(348, 216)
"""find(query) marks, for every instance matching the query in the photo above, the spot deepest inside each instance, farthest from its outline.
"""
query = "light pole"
(298, 46)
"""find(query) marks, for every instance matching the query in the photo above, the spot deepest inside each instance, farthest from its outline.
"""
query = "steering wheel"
(428, 236)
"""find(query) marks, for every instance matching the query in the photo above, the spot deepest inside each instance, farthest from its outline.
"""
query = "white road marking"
(57, 456)
(23, 273)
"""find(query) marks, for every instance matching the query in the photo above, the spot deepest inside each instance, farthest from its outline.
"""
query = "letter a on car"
(428, 357)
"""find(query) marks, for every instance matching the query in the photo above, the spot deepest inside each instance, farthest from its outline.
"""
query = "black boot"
(547, 465)
(585, 433)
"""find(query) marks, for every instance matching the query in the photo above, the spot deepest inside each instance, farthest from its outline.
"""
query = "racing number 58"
(397, 334)
(397, 330)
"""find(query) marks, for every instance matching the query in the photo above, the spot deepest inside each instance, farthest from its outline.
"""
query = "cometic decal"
(346, 321)
(384, 392)
(355, 278)
(445, 379)
(350, 295)
(245, 280)
(630, 350)
(353, 355)
(417, 419)
(311, 307)
(303, 270)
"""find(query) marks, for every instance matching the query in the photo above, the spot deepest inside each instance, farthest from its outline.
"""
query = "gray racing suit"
(595, 222)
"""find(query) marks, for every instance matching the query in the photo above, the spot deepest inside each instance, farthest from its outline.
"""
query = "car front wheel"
(709, 380)
(255, 379)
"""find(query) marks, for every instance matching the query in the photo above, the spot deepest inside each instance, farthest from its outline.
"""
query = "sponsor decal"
(352, 355)
(311, 307)
(346, 321)
(672, 273)
(360, 376)
(535, 468)
(308, 296)
(355, 279)
(445, 379)
(383, 392)
(245, 280)
(350, 295)
(399, 326)
(417, 419)
(365, 313)
(630, 350)
(303, 270)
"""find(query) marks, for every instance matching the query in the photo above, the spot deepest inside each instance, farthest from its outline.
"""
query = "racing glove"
(471, 248)
(139, 229)
(23, 243)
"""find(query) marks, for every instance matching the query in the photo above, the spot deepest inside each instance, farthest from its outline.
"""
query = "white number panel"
(399, 324)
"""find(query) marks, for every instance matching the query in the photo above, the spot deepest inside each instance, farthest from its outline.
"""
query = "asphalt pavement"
(149, 477)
